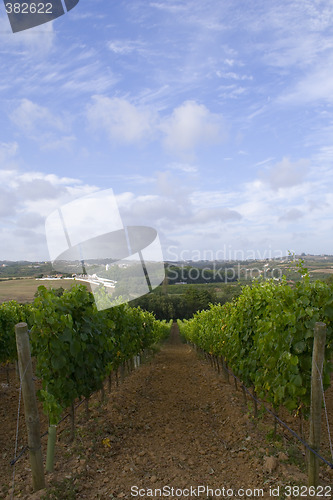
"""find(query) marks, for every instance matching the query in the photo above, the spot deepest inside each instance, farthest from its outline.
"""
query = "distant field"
(324, 271)
(23, 290)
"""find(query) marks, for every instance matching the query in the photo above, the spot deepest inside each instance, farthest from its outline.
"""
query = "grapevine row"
(266, 337)
(75, 345)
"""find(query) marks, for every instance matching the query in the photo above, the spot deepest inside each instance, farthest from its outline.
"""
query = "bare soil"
(173, 423)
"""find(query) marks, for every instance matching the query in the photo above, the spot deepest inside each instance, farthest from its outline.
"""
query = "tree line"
(172, 306)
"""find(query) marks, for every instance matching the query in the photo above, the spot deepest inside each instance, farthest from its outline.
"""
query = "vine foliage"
(266, 336)
(75, 345)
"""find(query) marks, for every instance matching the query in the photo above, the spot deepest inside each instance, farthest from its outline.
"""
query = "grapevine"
(266, 335)
(75, 345)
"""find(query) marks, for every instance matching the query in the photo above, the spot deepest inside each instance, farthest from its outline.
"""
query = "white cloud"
(291, 215)
(124, 47)
(192, 125)
(122, 121)
(315, 87)
(52, 178)
(299, 50)
(189, 126)
(30, 220)
(29, 197)
(173, 187)
(231, 91)
(229, 62)
(89, 78)
(183, 167)
(254, 216)
(156, 209)
(38, 123)
(40, 189)
(273, 210)
(263, 162)
(233, 76)
(169, 7)
(32, 117)
(213, 215)
(33, 43)
(8, 202)
(286, 174)
(34, 189)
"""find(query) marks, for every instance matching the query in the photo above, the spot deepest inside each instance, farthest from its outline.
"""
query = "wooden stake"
(318, 356)
(30, 406)
(51, 440)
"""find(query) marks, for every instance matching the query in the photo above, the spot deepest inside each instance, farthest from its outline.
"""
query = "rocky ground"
(174, 423)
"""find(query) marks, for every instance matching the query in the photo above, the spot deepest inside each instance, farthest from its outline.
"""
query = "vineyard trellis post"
(52, 434)
(318, 356)
(30, 406)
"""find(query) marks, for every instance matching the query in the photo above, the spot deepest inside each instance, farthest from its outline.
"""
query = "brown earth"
(173, 423)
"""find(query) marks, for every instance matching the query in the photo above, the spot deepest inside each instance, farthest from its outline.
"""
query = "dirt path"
(171, 430)
(174, 423)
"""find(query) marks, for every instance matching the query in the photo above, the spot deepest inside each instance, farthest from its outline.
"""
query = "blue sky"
(210, 120)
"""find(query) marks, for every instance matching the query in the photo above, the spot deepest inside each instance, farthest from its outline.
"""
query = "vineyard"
(174, 411)
(266, 337)
(75, 346)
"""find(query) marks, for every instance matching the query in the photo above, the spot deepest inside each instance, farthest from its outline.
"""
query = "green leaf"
(300, 347)
(58, 362)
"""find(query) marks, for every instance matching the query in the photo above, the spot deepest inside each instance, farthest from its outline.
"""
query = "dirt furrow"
(172, 426)
(178, 425)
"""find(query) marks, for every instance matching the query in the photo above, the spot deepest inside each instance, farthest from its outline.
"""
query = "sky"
(211, 121)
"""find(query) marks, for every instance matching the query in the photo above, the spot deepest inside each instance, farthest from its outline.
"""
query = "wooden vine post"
(30, 406)
(318, 357)
(51, 442)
